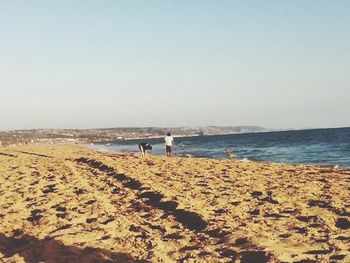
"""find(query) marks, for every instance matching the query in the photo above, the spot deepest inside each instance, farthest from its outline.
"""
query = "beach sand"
(66, 203)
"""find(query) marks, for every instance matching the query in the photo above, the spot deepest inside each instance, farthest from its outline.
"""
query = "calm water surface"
(319, 146)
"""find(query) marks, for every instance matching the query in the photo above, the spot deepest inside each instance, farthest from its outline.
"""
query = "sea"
(325, 147)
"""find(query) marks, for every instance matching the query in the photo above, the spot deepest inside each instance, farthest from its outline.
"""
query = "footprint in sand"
(49, 188)
(34, 182)
(175, 236)
(35, 216)
(105, 237)
(253, 256)
(62, 211)
(307, 218)
(90, 202)
(50, 178)
(286, 235)
(342, 223)
(107, 220)
(256, 193)
(91, 220)
(254, 212)
(79, 191)
(202, 183)
(35, 173)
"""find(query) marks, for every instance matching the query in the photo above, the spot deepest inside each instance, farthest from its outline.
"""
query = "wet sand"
(65, 203)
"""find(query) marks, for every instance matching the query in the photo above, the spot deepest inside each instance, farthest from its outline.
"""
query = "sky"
(99, 64)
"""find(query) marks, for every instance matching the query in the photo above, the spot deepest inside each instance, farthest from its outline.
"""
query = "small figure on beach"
(143, 147)
(169, 144)
(229, 153)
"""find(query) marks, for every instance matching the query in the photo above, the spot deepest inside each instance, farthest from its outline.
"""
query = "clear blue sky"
(86, 64)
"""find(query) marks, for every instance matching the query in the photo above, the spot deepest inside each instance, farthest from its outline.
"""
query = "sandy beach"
(66, 203)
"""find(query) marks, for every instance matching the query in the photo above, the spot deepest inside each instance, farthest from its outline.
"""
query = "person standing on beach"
(169, 145)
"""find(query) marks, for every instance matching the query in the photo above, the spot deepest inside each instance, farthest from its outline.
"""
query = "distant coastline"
(19, 137)
(114, 134)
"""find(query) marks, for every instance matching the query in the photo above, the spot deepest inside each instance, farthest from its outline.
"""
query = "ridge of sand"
(64, 203)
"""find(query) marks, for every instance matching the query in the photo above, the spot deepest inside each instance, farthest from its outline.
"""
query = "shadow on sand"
(53, 251)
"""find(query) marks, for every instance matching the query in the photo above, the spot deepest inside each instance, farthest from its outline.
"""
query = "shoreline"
(244, 159)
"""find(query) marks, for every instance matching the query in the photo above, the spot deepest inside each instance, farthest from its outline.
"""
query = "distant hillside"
(214, 130)
(110, 134)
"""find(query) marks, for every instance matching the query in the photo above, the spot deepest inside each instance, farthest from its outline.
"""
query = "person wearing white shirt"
(169, 145)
